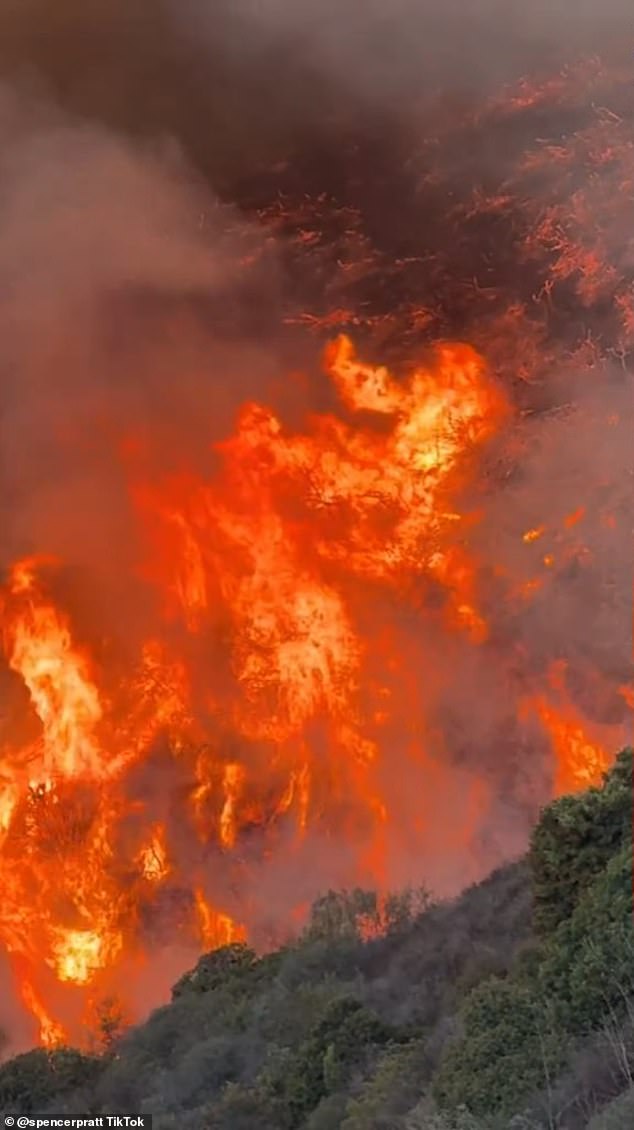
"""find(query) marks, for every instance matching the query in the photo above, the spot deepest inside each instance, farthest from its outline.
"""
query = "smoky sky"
(238, 83)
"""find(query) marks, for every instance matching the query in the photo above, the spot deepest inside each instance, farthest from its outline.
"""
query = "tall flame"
(39, 648)
(272, 696)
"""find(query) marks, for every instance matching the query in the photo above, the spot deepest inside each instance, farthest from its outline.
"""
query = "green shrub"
(588, 966)
(339, 1041)
(390, 1091)
(33, 1080)
(243, 1108)
(575, 838)
(214, 969)
(507, 1047)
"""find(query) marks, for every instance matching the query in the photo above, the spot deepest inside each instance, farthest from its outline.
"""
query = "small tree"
(574, 840)
(214, 969)
(508, 1049)
(341, 915)
(111, 1024)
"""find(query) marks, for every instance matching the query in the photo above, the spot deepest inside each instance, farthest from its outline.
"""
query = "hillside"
(510, 1008)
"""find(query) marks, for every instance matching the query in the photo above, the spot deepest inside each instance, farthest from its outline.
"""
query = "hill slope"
(511, 1007)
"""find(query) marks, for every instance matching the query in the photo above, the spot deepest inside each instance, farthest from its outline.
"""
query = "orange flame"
(580, 761)
(39, 649)
(284, 723)
(50, 1032)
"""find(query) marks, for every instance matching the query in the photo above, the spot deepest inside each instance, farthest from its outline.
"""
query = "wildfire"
(216, 929)
(377, 494)
(39, 648)
(153, 860)
(312, 590)
(581, 762)
(379, 501)
(51, 1034)
(79, 953)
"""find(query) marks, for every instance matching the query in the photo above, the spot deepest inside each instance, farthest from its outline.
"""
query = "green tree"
(243, 1108)
(343, 914)
(588, 966)
(508, 1048)
(33, 1080)
(215, 969)
(110, 1024)
(573, 841)
(341, 1039)
(402, 908)
(392, 1088)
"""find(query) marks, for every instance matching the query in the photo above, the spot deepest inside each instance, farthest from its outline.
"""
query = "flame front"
(270, 692)
(272, 549)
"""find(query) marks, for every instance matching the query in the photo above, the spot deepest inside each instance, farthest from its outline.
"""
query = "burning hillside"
(317, 535)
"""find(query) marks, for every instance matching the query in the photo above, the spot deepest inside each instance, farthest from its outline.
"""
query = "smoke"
(576, 465)
(240, 84)
(114, 262)
(386, 51)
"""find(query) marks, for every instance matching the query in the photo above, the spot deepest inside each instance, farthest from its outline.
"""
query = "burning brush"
(348, 628)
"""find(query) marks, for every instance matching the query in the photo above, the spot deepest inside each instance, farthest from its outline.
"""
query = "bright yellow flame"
(80, 953)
